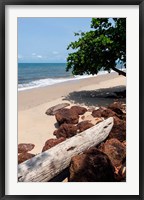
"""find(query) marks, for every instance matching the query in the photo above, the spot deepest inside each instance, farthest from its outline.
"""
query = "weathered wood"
(54, 109)
(50, 163)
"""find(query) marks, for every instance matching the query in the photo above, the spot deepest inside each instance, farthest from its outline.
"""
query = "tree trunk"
(119, 71)
(50, 163)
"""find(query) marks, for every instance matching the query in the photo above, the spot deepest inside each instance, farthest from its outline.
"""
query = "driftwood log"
(53, 110)
(43, 167)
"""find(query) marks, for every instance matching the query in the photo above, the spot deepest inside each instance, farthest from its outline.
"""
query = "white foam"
(49, 81)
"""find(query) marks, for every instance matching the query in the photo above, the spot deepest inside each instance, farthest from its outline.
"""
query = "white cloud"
(33, 54)
(39, 56)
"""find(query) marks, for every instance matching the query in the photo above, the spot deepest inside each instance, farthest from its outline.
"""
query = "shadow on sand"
(100, 97)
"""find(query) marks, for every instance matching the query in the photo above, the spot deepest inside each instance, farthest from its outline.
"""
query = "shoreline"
(35, 127)
(26, 100)
(49, 81)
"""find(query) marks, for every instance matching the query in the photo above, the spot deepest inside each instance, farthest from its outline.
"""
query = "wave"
(50, 81)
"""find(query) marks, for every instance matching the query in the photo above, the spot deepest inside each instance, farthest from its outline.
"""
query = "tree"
(100, 48)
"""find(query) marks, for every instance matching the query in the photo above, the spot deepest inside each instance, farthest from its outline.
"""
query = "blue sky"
(46, 39)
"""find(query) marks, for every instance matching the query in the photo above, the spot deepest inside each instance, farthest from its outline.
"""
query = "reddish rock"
(123, 117)
(97, 113)
(91, 166)
(119, 130)
(118, 177)
(93, 120)
(103, 112)
(98, 120)
(83, 117)
(68, 116)
(51, 143)
(24, 156)
(124, 143)
(25, 147)
(115, 150)
(122, 171)
(100, 146)
(82, 126)
(108, 113)
(79, 110)
(117, 107)
(66, 131)
(117, 120)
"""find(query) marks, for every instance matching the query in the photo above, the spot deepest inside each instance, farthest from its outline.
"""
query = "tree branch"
(120, 72)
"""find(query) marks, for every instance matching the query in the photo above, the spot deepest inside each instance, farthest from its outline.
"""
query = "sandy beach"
(35, 127)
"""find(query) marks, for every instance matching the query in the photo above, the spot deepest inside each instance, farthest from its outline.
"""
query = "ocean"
(33, 75)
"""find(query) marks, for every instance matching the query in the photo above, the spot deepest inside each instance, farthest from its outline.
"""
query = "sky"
(45, 40)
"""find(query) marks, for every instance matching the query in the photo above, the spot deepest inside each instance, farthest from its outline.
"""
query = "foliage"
(99, 48)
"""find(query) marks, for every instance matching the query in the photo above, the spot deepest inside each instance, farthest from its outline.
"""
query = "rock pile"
(103, 163)
(107, 162)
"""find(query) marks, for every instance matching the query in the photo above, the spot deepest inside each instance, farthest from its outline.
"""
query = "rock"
(68, 116)
(98, 112)
(83, 117)
(79, 110)
(25, 147)
(117, 120)
(98, 120)
(117, 175)
(93, 120)
(103, 112)
(124, 143)
(118, 130)
(117, 107)
(66, 131)
(24, 156)
(115, 150)
(108, 113)
(122, 171)
(53, 110)
(91, 166)
(82, 126)
(52, 142)
(123, 117)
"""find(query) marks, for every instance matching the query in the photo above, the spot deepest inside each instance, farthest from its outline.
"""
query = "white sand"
(34, 126)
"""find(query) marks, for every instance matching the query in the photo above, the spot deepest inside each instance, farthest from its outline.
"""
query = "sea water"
(33, 75)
